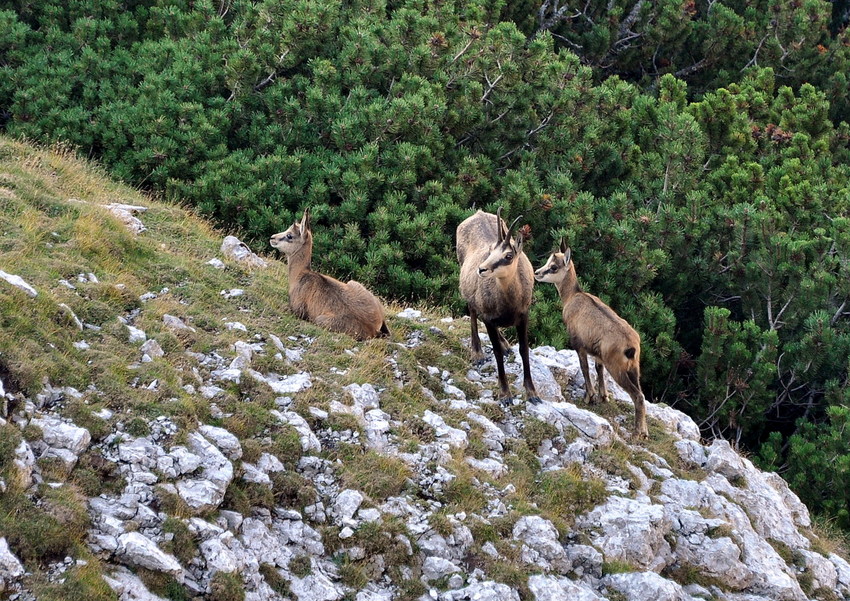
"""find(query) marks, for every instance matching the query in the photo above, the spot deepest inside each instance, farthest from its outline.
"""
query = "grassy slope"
(44, 238)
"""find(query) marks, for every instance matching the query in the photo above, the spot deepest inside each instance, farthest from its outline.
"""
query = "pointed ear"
(304, 226)
(519, 243)
(562, 246)
(567, 253)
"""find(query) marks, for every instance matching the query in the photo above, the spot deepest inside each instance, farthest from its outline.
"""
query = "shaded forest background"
(694, 154)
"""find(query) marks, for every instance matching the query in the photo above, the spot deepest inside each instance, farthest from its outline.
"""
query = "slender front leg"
(477, 353)
(600, 381)
(505, 395)
(522, 333)
(585, 371)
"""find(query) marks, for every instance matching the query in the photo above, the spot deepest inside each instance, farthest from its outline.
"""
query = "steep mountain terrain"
(170, 431)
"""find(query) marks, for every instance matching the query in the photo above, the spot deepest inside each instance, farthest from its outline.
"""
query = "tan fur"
(496, 280)
(595, 329)
(327, 302)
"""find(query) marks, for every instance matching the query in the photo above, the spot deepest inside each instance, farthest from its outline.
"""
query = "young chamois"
(496, 279)
(327, 302)
(595, 329)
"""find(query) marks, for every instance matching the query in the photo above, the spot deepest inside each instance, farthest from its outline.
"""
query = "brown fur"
(595, 329)
(327, 302)
(496, 280)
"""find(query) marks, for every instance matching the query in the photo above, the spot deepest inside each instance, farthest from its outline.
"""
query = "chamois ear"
(304, 226)
(567, 253)
(562, 247)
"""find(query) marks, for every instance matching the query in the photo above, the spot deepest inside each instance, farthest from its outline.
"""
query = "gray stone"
(454, 437)
(482, 591)
(18, 282)
(136, 550)
(642, 586)
(434, 568)
(630, 530)
(60, 434)
(234, 249)
(540, 544)
(226, 442)
(558, 588)
(346, 505)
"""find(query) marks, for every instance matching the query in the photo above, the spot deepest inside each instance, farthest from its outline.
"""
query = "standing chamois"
(496, 280)
(595, 329)
(327, 302)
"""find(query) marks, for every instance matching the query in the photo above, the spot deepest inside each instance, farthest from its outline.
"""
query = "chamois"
(597, 330)
(496, 279)
(327, 302)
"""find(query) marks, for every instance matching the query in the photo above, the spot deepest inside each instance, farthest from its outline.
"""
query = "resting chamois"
(595, 329)
(496, 280)
(327, 302)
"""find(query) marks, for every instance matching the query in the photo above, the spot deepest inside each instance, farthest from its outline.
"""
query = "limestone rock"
(234, 249)
(558, 588)
(630, 530)
(136, 550)
(640, 586)
(540, 545)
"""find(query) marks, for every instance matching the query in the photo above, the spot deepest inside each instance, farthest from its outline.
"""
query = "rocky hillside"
(170, 431)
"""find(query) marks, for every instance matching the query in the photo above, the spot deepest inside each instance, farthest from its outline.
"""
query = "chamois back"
(341, 307)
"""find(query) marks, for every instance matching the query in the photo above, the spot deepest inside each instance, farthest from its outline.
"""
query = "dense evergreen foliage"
(694, 155)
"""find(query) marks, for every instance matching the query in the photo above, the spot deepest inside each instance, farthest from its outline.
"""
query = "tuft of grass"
(616, 566)
(80, 583)
(563, 494)
(378, 476)
(301, 566)
(535, 431)
(273, 578)
(164, 585)
(182, 544)
(227, 586)
(49, 529)
(827, 537)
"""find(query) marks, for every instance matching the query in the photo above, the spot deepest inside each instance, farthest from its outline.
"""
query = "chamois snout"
(285, 241)
(553, 270)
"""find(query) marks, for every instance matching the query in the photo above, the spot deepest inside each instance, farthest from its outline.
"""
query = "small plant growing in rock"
(273, 578)
(182, 544)
(137, 427)
(300, 566)
(227, 586)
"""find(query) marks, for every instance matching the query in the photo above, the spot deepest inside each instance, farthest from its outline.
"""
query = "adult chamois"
(496, 280)
(595, 329)
(327, 302)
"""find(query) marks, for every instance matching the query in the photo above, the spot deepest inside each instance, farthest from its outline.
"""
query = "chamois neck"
(299, 261)
(569, 284)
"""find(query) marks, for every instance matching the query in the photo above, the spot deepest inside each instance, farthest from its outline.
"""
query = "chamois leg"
(477, 354)
(506, 346)
(601, 388)
(522, 333)
(585, 371)
(630, 382)
(505, 395)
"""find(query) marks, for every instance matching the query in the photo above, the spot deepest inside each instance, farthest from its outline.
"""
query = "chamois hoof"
(479, 363)
(507, 401)
(535, 400)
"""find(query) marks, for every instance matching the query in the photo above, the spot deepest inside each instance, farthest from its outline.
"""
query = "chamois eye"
(509, 257)
(289, 236)
(553, 268)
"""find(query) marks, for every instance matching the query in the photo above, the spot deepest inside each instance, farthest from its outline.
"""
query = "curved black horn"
(511, 229)
(500, 233)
